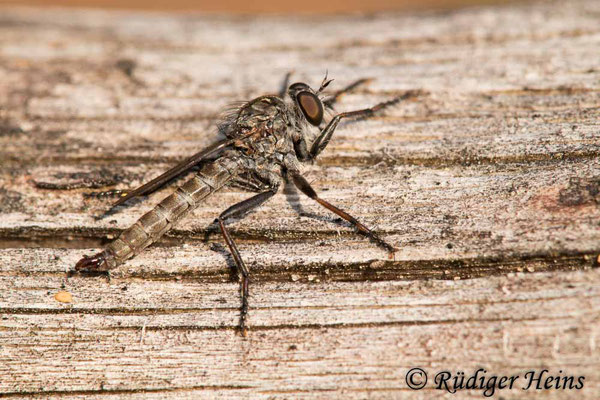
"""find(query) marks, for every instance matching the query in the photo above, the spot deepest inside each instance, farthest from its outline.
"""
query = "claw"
(392, 253)
(97, 262)
(244, 331)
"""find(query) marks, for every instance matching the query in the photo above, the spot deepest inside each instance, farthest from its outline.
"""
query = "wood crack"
(91, 392)
(338, 161)
(374, 270)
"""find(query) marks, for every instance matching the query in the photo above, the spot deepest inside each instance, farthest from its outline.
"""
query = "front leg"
(325, 136)
(237, 210)
(330, 102)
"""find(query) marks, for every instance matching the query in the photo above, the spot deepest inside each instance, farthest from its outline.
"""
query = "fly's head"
(308, 107)
(307, 103)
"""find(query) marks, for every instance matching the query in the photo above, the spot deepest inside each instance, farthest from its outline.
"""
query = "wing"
(228, 119)
(177, 170)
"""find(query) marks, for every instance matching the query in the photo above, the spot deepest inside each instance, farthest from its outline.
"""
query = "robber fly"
(266, 139)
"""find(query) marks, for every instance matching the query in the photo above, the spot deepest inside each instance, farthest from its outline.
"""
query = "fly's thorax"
(278, 124)
(266, 111)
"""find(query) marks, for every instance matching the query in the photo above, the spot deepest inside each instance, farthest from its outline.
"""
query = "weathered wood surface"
(488, 179)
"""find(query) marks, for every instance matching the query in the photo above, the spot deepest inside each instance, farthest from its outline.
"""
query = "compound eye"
(311, 107)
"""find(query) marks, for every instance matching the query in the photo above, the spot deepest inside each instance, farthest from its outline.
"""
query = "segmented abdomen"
(149, 228)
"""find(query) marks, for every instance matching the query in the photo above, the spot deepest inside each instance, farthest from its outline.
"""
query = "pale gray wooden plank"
(486, 179)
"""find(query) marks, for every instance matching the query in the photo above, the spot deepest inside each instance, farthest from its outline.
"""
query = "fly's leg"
(325, 136)
(305, 187)
(246, 182)
(336, 96)
(243, 271)
(284, 85)
(249, 182)
(331, 100)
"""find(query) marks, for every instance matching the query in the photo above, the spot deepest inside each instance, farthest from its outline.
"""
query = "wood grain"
(487, 178)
